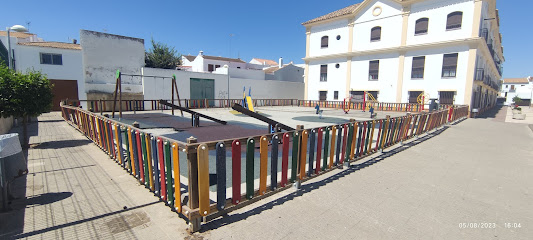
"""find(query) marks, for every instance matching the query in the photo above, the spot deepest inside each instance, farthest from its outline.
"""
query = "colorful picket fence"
(152, 160)
(293, 157)
(147, 105)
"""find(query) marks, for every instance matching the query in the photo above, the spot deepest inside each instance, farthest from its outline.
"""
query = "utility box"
(12, 164)
(11, 157)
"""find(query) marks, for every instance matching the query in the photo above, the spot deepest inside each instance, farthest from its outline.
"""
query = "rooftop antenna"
(28, 24)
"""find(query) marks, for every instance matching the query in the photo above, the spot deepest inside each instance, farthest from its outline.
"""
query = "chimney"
(201, 53)
(280, 62)
(74, 41)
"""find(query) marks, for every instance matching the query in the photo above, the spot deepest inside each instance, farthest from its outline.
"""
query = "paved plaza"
(471, 180)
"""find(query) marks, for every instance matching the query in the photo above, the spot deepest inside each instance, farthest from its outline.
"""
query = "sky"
(245, 29)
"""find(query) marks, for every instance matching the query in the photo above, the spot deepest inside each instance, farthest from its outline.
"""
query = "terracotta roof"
(272, 69)
(266, 61)
(342, 12)
(53, 45)
(16, 34)
(223, 59)
(515, 80)
(190, 58)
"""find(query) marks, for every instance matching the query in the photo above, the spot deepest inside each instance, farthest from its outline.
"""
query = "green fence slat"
(170, 184)
(326, 150)
(295, 149)
(145, 160)
(349, 143)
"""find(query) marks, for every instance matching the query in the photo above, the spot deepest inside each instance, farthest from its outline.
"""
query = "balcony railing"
(480, 74)
(484, 33)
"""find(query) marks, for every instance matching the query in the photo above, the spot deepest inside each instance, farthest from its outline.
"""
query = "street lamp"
(15, 28)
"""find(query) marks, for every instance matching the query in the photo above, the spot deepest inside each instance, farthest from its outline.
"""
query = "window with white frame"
(323, 73)
(449, 65)
(373, 70)
(454, 20)
(51, 58)
(417, 71)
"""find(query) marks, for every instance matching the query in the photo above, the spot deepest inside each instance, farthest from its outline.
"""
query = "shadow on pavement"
(47, 198)
(306, 188)
(36, 232)
(61, 144)
(497, 112)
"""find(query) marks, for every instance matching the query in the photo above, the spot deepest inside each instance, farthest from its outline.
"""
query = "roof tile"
(16, 34)
(52, 45)
(341, 12)
(515, 80)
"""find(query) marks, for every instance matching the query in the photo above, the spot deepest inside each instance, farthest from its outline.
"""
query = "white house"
(264, 62)
(397, 50)
(521, 87)
(61, 62)
(206, 63)
(288, 72)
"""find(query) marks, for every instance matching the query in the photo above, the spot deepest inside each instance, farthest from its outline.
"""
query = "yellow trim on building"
(470, 72)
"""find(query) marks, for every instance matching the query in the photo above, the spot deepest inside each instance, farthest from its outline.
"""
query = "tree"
(162, 56)
(516, 99)
(24, 95)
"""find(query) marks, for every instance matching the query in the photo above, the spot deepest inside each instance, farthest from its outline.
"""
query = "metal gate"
(203, 89)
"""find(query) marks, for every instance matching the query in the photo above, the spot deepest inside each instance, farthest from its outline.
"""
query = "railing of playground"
(294, 157)
(378, 106)
(144, 105)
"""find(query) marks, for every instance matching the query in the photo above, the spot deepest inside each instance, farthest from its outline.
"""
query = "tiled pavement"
(75, 191)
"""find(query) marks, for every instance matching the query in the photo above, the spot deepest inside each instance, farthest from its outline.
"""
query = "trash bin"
(12, 162)
(433, 105)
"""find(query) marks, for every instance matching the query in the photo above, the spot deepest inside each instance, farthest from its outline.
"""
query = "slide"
(250, 104)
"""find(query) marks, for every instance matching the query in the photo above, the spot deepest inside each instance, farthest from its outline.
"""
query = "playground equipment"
(423, 99)
(318, 111)
(247, 100)
(118, 90)
(272, 123)
(195, 118)
(367, 97)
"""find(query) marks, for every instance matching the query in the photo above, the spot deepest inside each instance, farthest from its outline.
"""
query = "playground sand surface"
(161, 122)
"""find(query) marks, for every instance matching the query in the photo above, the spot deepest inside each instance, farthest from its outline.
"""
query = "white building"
(397, 50)
(266, 63)
(521, 87)
(61, 62)
(206, 63)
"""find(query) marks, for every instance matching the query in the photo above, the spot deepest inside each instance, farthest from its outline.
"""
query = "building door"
(446, 97)
(202, 89)
(413, 96)
(63, 89)
(323, 95)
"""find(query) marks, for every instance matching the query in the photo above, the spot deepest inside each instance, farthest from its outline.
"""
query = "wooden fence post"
(192, 162)
(298, 182)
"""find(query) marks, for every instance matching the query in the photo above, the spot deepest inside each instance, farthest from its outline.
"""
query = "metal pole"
(9, 48)
(228, 86)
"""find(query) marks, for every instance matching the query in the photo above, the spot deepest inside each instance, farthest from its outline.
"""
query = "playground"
(204, 161)
(162, 122)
